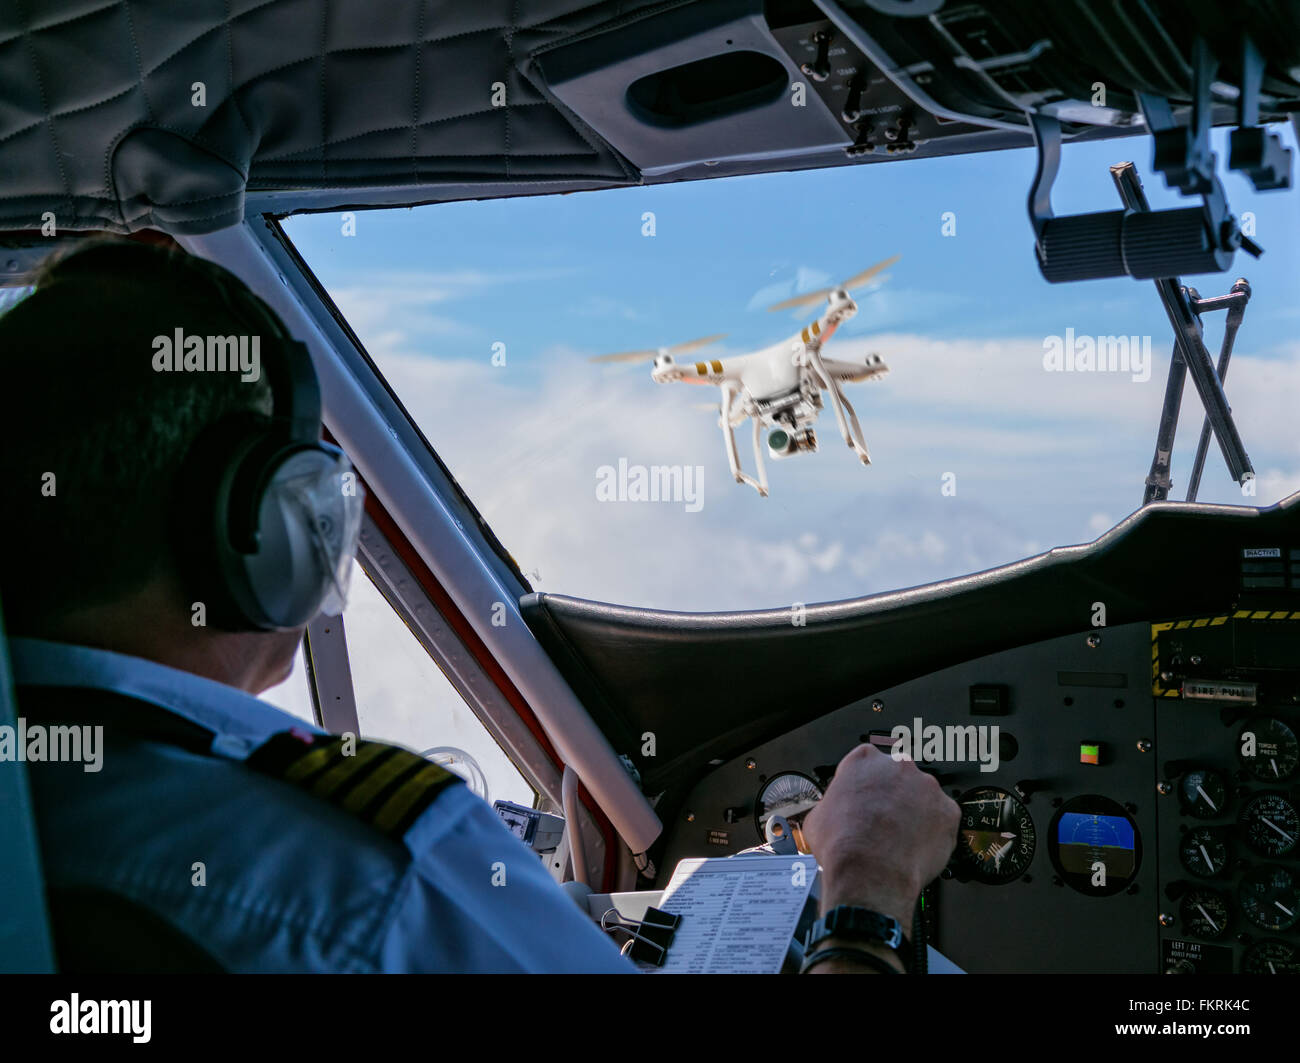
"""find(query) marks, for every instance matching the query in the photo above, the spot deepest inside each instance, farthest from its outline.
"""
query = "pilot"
(173, 522)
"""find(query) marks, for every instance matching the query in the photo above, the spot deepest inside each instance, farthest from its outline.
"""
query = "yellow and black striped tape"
(385, 786)
(1158, 688)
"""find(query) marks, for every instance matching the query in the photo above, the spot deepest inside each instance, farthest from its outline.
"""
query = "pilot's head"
(164, 497)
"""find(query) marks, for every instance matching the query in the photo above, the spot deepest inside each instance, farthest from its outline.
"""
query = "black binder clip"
(649, 939)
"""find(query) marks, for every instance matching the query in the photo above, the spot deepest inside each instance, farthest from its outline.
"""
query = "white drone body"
(779, 388)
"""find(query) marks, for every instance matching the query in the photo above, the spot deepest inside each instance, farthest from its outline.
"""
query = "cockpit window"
(1014, 415)
(293, 694)
(11, 297)
(403, 697)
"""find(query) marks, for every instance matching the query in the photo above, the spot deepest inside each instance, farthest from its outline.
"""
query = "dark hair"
(92, 435)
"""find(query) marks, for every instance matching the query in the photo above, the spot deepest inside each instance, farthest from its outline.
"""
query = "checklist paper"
(738, 913)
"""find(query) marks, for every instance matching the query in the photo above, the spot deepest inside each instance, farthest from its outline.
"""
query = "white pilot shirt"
(289, 881)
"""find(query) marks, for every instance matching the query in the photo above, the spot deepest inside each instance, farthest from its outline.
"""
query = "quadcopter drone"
(779, 387)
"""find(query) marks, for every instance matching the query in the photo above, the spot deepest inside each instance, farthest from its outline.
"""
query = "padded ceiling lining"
(99, 122)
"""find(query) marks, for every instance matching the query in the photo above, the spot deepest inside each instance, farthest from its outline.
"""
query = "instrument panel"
(1229, 822)
(1128, 795)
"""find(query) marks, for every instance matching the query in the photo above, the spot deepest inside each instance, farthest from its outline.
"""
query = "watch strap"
(849, 923)
(858, 956)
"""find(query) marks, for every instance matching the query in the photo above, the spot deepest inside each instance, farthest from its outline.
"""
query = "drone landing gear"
(733, 457)
(845, 416)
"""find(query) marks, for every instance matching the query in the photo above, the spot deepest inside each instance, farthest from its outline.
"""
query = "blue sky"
(1039, 459)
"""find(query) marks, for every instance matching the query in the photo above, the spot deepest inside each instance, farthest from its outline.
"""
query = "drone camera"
(782, 443)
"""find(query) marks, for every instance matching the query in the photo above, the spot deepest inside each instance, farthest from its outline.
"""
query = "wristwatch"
(847, 923)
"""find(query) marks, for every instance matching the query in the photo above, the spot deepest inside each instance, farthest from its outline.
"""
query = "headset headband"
(295, 391)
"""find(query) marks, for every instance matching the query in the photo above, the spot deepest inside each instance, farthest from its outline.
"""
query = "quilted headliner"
(99, 123)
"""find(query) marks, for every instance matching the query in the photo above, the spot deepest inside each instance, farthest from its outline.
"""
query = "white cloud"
(1100, 523)
(1039, 458)
(392, 307)
(1271, 485)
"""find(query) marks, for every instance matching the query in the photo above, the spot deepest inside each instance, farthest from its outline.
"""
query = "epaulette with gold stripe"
(385, 786)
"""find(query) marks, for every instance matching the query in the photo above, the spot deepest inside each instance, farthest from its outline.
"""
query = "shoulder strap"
(385, 786)
(119, 714)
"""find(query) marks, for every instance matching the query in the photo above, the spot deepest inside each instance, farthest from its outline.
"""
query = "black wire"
(920, 954)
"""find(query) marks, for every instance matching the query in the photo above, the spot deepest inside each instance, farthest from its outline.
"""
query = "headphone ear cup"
(285, 581)
(246, 548)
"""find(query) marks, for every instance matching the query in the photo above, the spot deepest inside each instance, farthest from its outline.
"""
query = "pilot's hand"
(883, 830)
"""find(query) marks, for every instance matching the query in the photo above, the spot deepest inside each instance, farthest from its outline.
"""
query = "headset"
(266, 516)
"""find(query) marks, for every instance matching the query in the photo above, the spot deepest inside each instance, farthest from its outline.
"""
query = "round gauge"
(1269, 749)
(1204, 851)
(1271, 824)
(1270, 898)
(1094, 845)
(1205, 913)
(1204, 793)
(790, 795)
(1271, 956)
(996, 840)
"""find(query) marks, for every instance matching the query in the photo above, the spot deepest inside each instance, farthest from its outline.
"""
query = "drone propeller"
(813, 298)
(649, 353)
